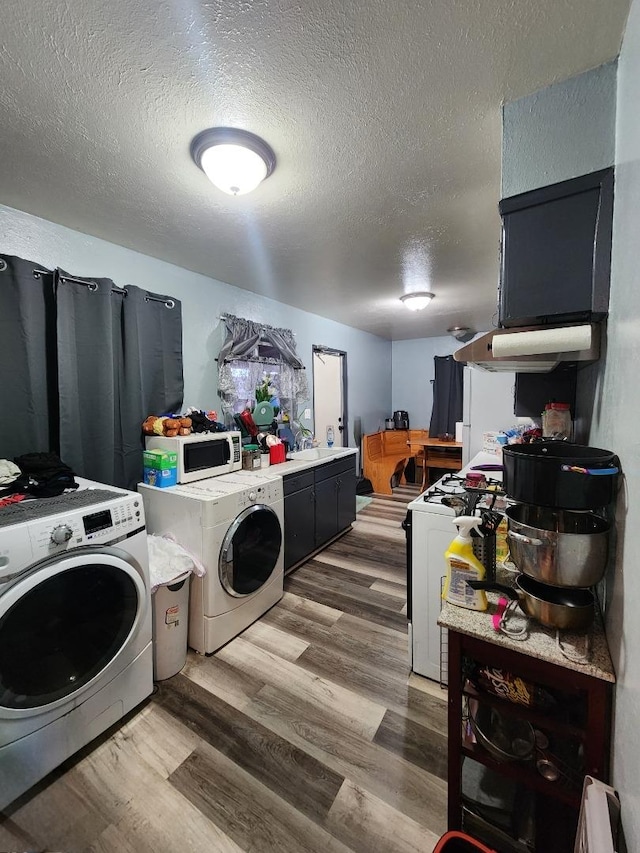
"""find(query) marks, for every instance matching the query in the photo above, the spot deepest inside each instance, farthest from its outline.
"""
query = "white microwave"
(201, 455)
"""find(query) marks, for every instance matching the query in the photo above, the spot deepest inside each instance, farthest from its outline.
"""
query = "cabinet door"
(346, 499)
(326, 510)
(299, 526)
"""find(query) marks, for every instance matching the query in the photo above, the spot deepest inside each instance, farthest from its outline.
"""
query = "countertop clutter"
(531, 694)
(540, 642)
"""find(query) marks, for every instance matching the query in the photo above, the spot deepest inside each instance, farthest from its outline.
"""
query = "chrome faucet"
(302, 441)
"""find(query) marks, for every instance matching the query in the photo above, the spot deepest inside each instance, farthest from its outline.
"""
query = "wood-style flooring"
(305, 733)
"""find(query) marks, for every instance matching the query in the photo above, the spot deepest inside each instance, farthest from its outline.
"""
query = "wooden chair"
(385, 454)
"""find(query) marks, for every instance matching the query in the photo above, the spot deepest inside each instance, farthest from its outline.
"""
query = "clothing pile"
(39, 475)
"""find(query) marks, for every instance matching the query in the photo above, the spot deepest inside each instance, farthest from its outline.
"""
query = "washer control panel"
(265, 493)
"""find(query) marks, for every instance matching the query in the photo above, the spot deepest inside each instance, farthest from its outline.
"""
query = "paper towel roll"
(566, 339)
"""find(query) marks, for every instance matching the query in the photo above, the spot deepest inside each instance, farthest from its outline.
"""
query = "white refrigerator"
(487, 406)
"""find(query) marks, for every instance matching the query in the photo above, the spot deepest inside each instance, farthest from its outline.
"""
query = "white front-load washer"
(75, 626)
(234, 525)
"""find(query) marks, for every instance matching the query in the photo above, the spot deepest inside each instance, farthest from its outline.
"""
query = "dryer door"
(250, 551)
(63, 623)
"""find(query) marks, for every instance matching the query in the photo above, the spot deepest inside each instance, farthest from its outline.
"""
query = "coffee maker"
(401, 419)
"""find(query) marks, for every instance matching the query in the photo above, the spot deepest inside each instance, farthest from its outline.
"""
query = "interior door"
(329, 395)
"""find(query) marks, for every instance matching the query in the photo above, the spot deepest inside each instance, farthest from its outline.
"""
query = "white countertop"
(304, 459)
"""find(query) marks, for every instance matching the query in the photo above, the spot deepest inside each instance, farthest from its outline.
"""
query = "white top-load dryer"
(75, 626)
(234, 525)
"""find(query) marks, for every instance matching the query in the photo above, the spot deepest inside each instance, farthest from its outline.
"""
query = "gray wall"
(412, 370)
(615, 418)
(203, 300)
(569, 129)
(560, 132)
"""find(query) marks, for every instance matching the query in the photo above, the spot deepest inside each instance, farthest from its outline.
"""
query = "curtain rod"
(93, 286)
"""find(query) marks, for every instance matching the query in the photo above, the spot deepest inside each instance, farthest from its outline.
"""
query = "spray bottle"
(463, 565)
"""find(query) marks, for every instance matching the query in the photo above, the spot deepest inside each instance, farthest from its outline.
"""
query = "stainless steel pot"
(558, 547)
(552, 606)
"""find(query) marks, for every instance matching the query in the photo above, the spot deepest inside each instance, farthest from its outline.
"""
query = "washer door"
(63, 624)
(250, 551)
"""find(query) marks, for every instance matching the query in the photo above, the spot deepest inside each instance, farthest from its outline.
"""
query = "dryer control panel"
(36, 529)
(100, 525)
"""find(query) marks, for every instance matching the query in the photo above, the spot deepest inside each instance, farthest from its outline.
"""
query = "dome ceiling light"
(235, 161)
(461, 333)
(418, 300)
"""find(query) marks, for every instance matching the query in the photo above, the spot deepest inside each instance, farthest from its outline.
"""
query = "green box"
(160, 459)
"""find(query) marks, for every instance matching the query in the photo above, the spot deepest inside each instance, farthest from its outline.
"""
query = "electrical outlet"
(307, 414)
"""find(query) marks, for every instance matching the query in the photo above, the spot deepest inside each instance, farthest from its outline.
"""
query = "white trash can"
(170, 627)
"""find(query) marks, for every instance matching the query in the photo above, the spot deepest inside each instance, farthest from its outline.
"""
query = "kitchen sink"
(315, 453)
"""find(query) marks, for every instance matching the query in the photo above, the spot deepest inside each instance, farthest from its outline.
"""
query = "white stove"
(431, 532)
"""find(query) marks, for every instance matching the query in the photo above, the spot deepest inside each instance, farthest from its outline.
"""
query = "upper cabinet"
(556, 252)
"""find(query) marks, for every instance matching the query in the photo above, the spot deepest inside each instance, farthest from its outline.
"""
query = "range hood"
(533, 349)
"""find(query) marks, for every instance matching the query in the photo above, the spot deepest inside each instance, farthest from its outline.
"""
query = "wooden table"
(436, 454)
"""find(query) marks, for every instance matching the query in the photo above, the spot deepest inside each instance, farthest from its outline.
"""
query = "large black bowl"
(535, 474)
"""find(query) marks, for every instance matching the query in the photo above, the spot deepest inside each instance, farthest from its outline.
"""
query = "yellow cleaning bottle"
(463, 565)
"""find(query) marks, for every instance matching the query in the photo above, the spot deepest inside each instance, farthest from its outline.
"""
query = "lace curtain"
(251, 349)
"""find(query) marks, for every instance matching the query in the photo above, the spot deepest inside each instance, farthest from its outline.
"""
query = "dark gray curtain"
(89, 361)
(153, 380)
(28, 414)
(447, 395)
(119, 360)
(90, 376)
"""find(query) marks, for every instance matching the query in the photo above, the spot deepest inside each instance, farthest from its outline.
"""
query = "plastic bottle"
(329, 436)
(556, 420)
(463, 565)
(502, 542)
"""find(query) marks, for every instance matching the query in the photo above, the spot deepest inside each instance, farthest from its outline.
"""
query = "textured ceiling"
(385, 120)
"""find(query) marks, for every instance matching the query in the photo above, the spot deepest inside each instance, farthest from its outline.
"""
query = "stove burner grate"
(435, 494)
(452, 480)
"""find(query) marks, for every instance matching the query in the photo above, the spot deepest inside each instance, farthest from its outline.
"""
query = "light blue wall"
(203, 301)
(576, 127)
(412, 370)
(560, 132)
(615, 417)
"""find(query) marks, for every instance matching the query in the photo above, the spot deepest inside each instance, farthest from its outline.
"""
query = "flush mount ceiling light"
(460, 333)
(418, 300)
(235, 161)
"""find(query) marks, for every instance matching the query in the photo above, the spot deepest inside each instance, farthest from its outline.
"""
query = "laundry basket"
(459, 842)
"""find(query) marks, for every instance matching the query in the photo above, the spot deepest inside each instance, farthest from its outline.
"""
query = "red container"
(277, 454)
(459, 842)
